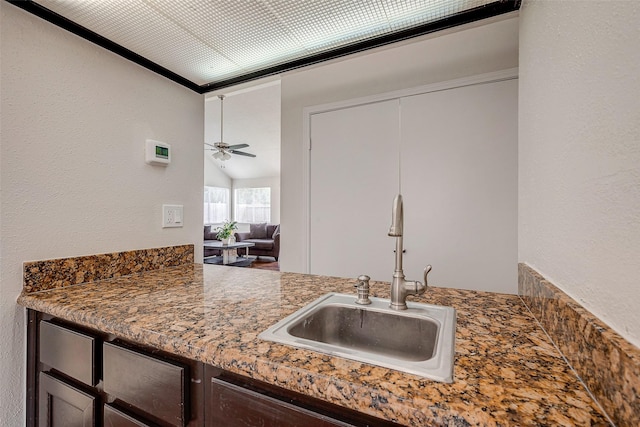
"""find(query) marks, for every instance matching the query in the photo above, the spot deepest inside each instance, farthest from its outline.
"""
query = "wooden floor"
(266, 263)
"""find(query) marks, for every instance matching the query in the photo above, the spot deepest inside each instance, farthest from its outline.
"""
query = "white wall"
(467, 51)
(579, 153)
(74, 181)
(214, 176)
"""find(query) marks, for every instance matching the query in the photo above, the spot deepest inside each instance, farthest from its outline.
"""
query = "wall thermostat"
(157, 153)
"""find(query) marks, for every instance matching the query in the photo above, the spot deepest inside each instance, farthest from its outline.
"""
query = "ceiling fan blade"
(210, 145)
(234, 147)
(242, 153)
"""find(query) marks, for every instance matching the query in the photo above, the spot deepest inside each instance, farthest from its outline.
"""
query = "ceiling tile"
(208, 41)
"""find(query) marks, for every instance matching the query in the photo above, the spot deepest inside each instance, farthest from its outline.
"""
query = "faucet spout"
(401, 288)
(396, 217)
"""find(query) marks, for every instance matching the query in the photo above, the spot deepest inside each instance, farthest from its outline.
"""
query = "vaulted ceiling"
(251, 116)
(211, 44)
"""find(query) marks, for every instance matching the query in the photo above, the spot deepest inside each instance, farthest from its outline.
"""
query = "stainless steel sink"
(419, 340)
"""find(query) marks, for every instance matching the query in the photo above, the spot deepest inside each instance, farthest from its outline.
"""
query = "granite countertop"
(507, 371)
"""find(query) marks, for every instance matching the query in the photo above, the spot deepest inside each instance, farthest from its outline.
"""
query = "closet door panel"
(459, 183)
(353, 179)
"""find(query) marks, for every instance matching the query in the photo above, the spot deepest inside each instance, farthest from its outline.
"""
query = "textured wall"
(74, 181)
(579, 153)
(213, 174)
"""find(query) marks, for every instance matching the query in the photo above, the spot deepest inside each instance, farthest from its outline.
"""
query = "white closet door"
(353, 179)
(459, 183)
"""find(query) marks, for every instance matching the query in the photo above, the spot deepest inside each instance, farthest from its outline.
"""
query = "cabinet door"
(62, 405)
(353, 180)
(229, 405)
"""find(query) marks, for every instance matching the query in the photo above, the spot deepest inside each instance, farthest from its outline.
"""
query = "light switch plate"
(172, 216)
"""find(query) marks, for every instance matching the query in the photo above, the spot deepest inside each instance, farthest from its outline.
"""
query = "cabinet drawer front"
(62, 405)
(115, 418)
(71, 352)
(154, 386)
(234, 406)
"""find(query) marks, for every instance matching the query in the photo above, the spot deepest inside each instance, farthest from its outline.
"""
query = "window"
(216, 205)
(253, 205)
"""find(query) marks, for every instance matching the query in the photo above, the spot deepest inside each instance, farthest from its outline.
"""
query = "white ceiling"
(213, 41)
(251, 116)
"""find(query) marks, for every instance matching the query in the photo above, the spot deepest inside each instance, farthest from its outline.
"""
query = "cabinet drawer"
(116, 418)
(156, 387)
(234, 406)
(71, 352)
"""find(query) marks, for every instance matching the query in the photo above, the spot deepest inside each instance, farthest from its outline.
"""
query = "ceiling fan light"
(223, 151)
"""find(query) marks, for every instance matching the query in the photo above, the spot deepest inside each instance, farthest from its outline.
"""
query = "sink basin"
(419, 340)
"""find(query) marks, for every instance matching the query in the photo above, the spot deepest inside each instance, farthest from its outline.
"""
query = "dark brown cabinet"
(114, 417)
(235, 401)
(80, 378)
(67, 373)
(233, 406)
(70, 352)
(153, 386)
(63, 405)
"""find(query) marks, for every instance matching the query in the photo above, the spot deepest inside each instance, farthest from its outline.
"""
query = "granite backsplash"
(58, 273)
(608, 364)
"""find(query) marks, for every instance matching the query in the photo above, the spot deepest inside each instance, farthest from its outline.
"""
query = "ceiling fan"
(221, 150)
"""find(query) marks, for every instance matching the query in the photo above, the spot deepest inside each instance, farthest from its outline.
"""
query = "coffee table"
(227, 258)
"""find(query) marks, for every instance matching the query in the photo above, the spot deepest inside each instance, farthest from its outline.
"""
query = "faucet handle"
(427, 269)
(363, 290)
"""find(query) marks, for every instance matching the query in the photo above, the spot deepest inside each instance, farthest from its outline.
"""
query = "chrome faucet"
(401, 288)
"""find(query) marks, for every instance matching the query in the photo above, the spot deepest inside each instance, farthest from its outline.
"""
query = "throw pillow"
(276, 232)
(258, 231)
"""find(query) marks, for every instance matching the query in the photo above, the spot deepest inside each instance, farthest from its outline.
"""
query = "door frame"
(309, 112)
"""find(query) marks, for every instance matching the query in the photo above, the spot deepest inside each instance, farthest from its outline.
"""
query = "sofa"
(265, 237)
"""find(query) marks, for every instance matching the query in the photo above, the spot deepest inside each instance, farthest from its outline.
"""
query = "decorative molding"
(608, 364)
